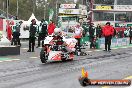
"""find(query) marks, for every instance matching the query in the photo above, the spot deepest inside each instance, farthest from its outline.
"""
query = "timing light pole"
(56, 12)
(45, 3)
(17, 7)
(7, 7)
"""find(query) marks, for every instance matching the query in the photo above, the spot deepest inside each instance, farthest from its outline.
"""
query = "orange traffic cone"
(84, 74)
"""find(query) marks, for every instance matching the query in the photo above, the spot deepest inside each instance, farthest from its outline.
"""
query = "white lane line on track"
(12, 60)
(97, 50)
(89, 51)
(40, 47)
(124, 47)
(33, 57)
(9, 60)
(24, 48)
(114, 48)
(94, 51)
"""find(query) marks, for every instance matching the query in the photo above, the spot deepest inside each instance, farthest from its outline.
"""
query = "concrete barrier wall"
(116, 42)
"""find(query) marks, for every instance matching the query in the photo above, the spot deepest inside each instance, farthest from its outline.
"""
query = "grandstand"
(111, 10)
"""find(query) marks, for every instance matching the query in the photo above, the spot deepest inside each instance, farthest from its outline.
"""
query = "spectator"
(120, 33)
(78, 35)
(91, 35)
(130, 34)
(98, 31)
(51, 28)
(16, 18)
(42, 32)
(108, 32)
(126, 32)
(16, 34)
(9, 31)
(32, 33)
(114, 31)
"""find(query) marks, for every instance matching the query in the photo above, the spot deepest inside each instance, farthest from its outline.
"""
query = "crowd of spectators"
(119, 32)
(95, 32)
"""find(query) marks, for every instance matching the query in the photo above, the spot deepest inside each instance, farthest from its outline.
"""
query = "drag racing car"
(62, 51)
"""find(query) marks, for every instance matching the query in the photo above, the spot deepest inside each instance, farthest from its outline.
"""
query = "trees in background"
(27, 7)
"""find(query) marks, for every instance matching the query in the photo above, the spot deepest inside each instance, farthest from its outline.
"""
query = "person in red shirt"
(51, 27)
(108, 32)
(9, 32)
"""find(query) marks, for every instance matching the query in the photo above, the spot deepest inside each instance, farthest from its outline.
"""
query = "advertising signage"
(69, 11)
(73, 11)
(113, 8)
(123, 7)
(68, 6)
(102, 7)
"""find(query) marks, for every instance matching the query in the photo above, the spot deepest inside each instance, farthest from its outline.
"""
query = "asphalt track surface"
(28, 72)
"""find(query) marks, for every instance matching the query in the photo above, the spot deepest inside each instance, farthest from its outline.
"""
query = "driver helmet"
(57, 31)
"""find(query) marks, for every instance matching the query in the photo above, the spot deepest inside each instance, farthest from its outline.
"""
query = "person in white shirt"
(78, 34)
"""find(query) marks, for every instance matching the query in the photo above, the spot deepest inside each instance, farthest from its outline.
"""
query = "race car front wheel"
(43, 56)
(63, 57)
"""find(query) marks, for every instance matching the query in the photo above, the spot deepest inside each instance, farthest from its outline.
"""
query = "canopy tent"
(32, 17)
(27, 23)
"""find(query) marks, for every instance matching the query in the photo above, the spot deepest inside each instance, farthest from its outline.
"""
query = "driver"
(57, 38)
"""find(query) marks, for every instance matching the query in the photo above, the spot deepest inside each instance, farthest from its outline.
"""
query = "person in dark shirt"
(98, 31)
(120, 33)
(32, 33)
(16, 34)
(130, 34)
(42, 32)
(91, 35)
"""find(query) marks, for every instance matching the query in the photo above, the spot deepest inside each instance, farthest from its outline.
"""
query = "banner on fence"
(116, 42)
